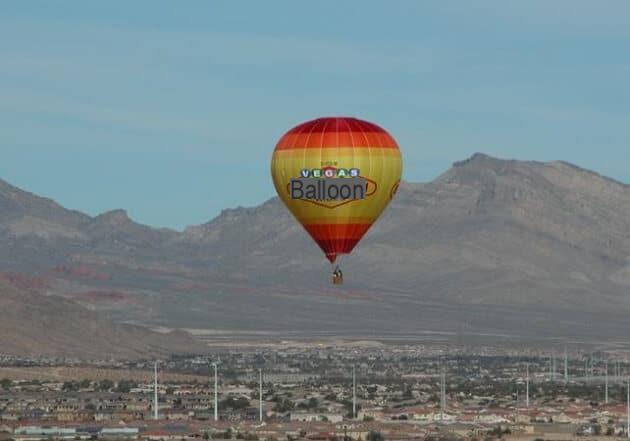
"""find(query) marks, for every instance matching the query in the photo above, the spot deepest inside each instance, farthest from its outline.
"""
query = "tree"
(348, 406)
(70, 386)
(6, 383)
(105, 385)
(375, 436)
(408, 393)
(283, 405)
(313, 403)
(125, 386)
(235, 403)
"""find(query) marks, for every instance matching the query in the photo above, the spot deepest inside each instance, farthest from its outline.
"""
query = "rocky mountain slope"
(34, 324)
(498, 247)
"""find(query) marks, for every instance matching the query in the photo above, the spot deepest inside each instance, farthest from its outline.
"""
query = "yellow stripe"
(385, 170)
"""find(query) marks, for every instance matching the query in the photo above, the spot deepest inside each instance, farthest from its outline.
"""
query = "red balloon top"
(332, 132)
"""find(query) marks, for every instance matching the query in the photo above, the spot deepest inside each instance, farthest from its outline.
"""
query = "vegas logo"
(328, 184)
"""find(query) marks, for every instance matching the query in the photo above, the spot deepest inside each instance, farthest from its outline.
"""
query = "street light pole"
(354, 393)
(155, 391)
(260, 393)
(216, 393)
(527, 386)
(628, 411)
(606, 384)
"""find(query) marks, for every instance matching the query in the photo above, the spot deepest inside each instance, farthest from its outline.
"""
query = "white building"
(313, 417)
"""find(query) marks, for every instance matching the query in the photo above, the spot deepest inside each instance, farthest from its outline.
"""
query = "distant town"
(324, 394)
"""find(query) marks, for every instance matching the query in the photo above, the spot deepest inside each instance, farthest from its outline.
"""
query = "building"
(314, 417)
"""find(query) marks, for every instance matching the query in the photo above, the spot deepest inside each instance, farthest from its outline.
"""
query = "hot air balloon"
(336, 175)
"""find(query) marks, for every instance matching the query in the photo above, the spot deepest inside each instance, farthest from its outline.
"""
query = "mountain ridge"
(527, 241)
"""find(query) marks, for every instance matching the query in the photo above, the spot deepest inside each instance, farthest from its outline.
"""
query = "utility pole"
(216, 393)
(442, 393)
(354, 393)
(586, 369)
(527, 386)
(606, 383)
(155, 391)
(566, 364)
(260, 383)
(628, 411)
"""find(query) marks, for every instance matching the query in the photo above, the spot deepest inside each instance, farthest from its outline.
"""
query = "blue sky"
(171, 109)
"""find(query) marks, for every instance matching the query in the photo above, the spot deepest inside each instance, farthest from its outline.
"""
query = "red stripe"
(336, 239)
(336, 132)
(332, 248)
(336, 124)
(334, 231)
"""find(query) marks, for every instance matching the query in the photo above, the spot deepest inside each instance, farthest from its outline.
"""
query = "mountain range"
(498, 248)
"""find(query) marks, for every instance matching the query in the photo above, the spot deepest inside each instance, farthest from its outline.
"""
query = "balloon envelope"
(327, 148)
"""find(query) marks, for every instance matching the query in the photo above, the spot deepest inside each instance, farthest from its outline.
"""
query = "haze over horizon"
(202, 95)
